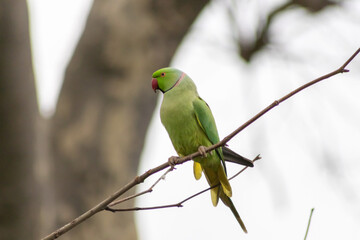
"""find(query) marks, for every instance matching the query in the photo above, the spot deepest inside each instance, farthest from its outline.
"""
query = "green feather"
(207, 123)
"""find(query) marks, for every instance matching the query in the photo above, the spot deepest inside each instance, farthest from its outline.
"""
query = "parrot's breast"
(178, 117)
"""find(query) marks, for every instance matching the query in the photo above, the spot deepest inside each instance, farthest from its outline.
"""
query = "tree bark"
(18, 113)
(106, 104)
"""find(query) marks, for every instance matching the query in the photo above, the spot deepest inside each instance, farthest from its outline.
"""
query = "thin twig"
(255, 159)
(179, 204)
(308, 226)
(139, 179)
(149, 190)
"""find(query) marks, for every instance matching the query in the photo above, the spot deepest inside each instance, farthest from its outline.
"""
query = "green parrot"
(191, 127)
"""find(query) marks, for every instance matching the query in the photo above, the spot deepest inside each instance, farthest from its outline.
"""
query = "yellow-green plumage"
(190, 124)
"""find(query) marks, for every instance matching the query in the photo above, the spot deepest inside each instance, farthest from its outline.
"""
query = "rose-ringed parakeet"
(191, 127)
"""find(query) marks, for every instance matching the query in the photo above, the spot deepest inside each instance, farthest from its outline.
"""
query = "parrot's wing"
(231, 156)
(206, 121)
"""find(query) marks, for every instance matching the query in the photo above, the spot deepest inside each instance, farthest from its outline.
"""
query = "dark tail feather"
(231, 156)
(227, 201)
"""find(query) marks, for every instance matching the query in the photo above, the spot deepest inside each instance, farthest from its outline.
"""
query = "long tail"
(227, 201)
(222, 191)
(215, 177)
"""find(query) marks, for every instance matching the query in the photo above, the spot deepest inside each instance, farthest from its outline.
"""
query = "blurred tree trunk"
(106, 104)
(18, 113)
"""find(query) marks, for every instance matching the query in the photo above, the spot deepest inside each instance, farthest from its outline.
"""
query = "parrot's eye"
(163, 74)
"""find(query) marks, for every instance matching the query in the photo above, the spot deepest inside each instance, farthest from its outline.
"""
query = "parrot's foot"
(202, 151)
(173, 160)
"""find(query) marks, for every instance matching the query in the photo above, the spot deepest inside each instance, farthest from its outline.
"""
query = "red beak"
(154, 84)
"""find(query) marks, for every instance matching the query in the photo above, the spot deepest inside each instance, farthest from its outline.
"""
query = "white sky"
(309, 144)
(56, 26)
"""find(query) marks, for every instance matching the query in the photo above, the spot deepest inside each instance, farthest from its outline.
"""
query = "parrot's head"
(165, 79)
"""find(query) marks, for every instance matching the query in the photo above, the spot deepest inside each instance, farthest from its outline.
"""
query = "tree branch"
(143, 192)
(179, 204)
(139, 179)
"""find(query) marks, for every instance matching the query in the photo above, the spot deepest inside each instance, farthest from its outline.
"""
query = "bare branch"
(179, 204)
(139, 179)
(149, 190)
(284, 98)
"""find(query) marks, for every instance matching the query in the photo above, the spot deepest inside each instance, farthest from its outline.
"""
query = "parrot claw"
(202, 151)
(173, 161)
